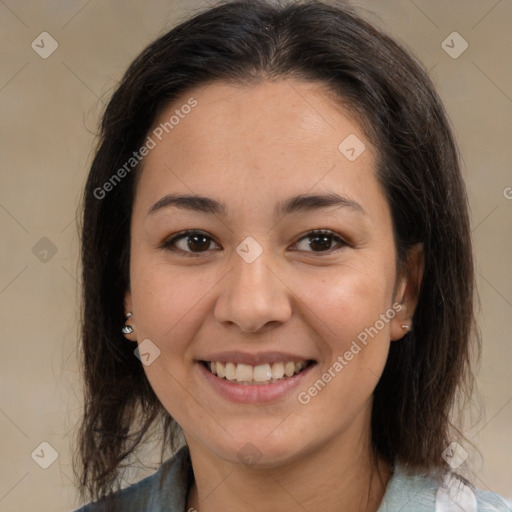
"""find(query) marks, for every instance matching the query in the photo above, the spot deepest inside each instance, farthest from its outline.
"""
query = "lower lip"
(258, 393)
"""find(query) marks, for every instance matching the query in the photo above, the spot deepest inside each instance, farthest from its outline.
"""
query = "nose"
(253, 295)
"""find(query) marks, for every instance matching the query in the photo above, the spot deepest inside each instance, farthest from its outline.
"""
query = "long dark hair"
(391, 94)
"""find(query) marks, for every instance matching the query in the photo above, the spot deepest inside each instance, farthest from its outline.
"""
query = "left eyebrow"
(295, 204)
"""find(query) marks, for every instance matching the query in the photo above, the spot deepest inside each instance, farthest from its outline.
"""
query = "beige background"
(49, 110)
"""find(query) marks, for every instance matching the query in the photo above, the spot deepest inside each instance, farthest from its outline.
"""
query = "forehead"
(275, 131)
(267, 112)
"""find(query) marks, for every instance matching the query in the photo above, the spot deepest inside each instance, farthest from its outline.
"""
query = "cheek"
(352, 313)
(167, 299)
(169, 312)
(345, 299)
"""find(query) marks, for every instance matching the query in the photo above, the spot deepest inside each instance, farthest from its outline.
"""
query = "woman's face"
(252, 288)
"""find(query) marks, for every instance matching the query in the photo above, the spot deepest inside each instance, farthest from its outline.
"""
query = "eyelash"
(169, 244)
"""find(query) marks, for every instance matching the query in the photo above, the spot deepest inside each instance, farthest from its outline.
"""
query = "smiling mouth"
(262, 374)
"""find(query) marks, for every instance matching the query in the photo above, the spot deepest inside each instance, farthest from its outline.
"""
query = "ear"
(408, 291)
(128, 307)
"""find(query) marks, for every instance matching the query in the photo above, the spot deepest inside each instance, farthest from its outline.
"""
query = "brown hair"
(395, 101)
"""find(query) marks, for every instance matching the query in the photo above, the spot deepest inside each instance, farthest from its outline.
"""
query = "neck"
(340, 474)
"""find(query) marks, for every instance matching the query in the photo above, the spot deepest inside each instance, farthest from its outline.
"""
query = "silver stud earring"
(127, 329)
(406, 327)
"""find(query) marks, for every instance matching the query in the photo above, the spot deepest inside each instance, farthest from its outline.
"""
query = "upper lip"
(255, 359)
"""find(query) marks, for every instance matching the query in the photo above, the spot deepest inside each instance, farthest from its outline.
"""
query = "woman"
(276, 214)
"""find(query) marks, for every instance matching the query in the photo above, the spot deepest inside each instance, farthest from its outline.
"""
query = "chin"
(257, 449)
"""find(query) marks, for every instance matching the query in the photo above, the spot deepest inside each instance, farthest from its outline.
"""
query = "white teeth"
(264, 373)
(243, 372)
(277, 370)
(261, 373)
(221, 370)
(289, 369)
(230, 371)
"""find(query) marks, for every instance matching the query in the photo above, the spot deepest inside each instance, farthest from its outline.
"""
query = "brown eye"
(191, 242)
(321, 241)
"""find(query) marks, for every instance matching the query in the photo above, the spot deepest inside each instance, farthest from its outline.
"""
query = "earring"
(127, 329)
(406, 327)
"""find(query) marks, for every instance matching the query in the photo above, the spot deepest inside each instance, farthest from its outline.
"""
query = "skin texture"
(251, 147)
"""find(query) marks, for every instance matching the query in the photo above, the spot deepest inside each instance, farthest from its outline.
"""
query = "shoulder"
(491, 501)
(423, 493)
(457, 493)
(165, 490)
